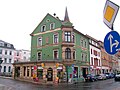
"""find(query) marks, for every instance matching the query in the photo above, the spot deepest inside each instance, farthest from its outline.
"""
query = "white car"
(117, 77)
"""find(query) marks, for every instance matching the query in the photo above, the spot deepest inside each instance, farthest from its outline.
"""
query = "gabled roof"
(43, 20)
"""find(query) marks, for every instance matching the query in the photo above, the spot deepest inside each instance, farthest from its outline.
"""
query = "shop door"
(50, 74)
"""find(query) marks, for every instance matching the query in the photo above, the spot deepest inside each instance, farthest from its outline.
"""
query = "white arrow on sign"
(112, 44)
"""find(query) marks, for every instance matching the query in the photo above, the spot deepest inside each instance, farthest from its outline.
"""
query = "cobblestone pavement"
(10, 84)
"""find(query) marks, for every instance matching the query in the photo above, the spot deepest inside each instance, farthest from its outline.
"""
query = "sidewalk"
(6, 77)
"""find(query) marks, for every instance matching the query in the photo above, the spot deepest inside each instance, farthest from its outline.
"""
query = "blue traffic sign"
(112, 42)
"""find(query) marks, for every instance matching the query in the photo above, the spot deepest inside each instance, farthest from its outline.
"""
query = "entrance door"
(84, 72)
(50, 74)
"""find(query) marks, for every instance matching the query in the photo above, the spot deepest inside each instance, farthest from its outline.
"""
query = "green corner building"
(57, 50)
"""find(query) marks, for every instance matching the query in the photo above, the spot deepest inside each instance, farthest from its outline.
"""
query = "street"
(109, 84)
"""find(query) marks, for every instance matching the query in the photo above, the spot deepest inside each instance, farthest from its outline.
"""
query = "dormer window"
(52, 26)
(43, 28)
(8, 45)
(1, 44)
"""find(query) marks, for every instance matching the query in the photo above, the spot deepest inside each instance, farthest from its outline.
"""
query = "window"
(39, 41)
(74, 55)
(5, 61)
(10, 52)
(0, 51)
(17, 53)
(4, 68)
(67, 53)
(9, 60)
(9, 69)
(73, 38)
(1, 44)
(55, 38)
(8, 45)
(82, 56)
(91, 51)
(95, 52)
(5, 52)
(55, 54)
(91, 60)
(67, 36)
(85, 44)
(24, 58)
(52, 26)
(85, 57)
(82, 42)
(43, 28)
(39, 56)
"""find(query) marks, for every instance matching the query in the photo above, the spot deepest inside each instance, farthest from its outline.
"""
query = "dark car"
(117, 77)
(110, 75)
(90, 77)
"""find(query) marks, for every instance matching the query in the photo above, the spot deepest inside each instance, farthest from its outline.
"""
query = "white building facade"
(95, 56)
(7, 55)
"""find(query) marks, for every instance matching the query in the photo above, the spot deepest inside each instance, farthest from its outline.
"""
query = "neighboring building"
(21, 55)
(106, 59)
(57, 50)
(7, 55)
(95, 56)
(118, 61)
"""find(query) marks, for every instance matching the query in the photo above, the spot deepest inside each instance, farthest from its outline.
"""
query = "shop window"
(24, 70)
(28, 71)
(75, 72)
(40, 73)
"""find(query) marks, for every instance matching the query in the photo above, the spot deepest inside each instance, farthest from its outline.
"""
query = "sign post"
(110, 12)
(112, 42)
(112, 39)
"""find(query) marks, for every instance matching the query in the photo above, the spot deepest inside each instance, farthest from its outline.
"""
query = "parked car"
(107, 75)
(90, 77)
(101, 77)
(110, 75)
(117, 77)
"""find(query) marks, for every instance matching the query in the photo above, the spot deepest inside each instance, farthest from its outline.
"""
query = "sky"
(18, 18)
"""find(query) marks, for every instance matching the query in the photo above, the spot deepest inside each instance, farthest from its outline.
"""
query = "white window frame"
(57, 38)
(37, 56)
(57, 54)
(38, 41)
(51, 26)
(42, 28)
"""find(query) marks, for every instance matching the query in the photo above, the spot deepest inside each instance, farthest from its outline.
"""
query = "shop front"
(39, 71)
